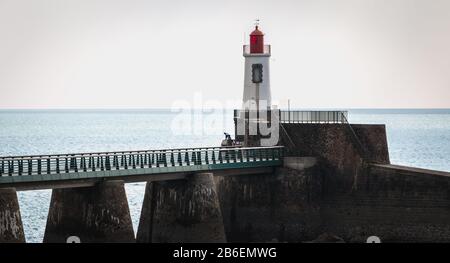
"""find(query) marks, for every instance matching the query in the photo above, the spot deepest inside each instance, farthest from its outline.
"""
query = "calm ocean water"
(416, 137)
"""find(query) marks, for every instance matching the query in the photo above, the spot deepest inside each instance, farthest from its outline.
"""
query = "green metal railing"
(103, 164)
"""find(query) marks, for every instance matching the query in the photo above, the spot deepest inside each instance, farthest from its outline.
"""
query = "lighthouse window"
(257, 70)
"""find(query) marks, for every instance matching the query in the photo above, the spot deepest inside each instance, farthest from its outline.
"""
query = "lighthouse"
(254, 124)
(257, 78)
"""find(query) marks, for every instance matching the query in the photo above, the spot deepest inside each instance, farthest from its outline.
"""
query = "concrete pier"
(11, 228)
(182, 211)
(93, 214)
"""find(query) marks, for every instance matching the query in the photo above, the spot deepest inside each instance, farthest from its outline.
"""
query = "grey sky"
(146, 54)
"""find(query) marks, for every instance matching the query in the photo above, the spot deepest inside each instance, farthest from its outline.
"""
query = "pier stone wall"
(360, 199)
(283, 206)
(335, 146)
(11, 228)
(186, 210)
(93, 214)
(395, 203)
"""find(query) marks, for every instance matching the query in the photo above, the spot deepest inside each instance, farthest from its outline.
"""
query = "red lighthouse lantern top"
(256, 41)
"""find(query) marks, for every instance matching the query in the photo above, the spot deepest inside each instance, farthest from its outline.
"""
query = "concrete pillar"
(11, 228)
(182, 211)
(93, 214)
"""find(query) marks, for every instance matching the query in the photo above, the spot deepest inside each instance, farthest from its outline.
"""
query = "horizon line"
(226, 108)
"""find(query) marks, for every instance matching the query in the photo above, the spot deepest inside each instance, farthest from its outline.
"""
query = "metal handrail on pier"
(19, 168)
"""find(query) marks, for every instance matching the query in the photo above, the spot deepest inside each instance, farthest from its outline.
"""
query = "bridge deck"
(44, 168)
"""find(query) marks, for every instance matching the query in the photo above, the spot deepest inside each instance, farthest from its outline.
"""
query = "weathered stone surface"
(374, 140)
(94, 214)
(182, 211)
(336, 147)
(343, 195)
(395, 203)
(261, 208)
(335, 142)
(11, 228)
(144, 233)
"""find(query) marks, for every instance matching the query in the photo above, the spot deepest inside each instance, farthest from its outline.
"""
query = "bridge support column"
(182, 211)
(93, 214)
(11, 228)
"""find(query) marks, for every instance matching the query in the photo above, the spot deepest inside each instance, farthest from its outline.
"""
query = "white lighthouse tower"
(257, 78)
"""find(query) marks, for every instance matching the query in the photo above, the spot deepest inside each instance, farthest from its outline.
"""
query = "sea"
(416, 137)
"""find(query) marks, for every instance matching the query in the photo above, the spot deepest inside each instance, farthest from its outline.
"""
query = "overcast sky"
(149, 54)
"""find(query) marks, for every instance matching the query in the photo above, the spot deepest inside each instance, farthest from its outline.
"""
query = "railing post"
(84, 163)
(20, 167)
(9, 168)
(66, 165)
(179, 159)
(102, 165)
(75, 165)
(125, 161)
(220, 156)
(186, 157)
(213, 156)
(194, 161)
(93, 163)
(39, 165)
(117, 161)
(48, 165)
(108, 163)
(30, 166)
(57, 165)
(206, 157)
(199, 157)
(172, 159)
